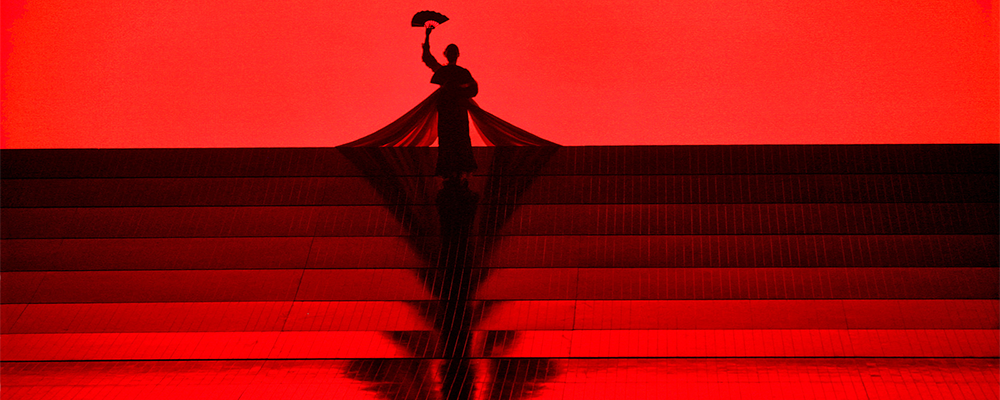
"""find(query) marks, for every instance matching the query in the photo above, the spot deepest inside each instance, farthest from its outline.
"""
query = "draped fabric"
(418, 127)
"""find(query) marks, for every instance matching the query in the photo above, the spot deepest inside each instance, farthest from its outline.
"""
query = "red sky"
(180, 73)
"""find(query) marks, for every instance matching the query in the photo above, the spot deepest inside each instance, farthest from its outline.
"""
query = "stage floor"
(543, 379)
(674, 272)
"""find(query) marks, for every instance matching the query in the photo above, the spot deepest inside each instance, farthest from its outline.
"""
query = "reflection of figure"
(457, 87)
(457, 211)
(458, 359)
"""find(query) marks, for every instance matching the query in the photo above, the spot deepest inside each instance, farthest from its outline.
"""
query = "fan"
(426, 19)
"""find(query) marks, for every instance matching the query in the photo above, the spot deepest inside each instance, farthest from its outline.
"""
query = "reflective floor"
(571, 273)
(620, 378)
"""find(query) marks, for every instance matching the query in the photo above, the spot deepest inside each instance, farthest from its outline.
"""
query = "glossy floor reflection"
(752, 272)
(563, 379)
(454, 253)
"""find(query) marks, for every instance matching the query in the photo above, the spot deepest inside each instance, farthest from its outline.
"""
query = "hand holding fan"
(428, 19)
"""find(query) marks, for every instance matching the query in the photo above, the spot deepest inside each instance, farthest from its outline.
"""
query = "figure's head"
(451, 53)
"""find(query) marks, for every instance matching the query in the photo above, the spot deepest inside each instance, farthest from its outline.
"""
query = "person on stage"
(455, 160)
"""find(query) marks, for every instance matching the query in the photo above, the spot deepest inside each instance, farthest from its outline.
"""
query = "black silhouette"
(427, 19)
(445, 360)
(456, 206)
(451, 106)
(453, 103)
(456, 244)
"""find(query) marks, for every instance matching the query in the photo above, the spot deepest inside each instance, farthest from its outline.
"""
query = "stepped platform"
(754, 272)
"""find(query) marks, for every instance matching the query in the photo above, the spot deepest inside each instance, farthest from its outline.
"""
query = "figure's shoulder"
(441, 75)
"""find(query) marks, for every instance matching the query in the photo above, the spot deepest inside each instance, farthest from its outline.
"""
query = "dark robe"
(452, 107)
(454, 144)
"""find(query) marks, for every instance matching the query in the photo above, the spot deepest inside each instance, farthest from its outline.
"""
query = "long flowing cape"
(418, 127)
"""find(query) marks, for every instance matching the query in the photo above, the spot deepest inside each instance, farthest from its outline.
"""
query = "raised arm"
(427, 57)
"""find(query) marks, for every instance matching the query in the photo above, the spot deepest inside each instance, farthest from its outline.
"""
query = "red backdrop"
(103, 73)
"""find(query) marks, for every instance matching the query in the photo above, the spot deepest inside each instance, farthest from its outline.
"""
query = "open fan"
(426, 19)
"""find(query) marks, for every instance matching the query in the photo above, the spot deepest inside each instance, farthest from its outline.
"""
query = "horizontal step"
(153, 254)
(498, 284)
(531, 219)
(137, 346)
(654, 283)
(565, 189)
(549, 344)
(542, 379)
(626, 160)
(503, 252)
(513, 315)
(149, 286)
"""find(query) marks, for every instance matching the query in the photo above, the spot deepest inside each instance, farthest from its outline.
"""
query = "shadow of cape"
(454, 244)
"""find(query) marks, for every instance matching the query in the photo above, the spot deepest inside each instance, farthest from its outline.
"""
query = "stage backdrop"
(253, 73)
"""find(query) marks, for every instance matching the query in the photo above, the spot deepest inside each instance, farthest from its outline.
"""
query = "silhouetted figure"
(457, 87)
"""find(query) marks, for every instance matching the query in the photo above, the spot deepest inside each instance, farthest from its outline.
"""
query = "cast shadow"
(454, 360)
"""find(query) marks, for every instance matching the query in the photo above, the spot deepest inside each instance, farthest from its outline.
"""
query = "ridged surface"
(588, 272)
